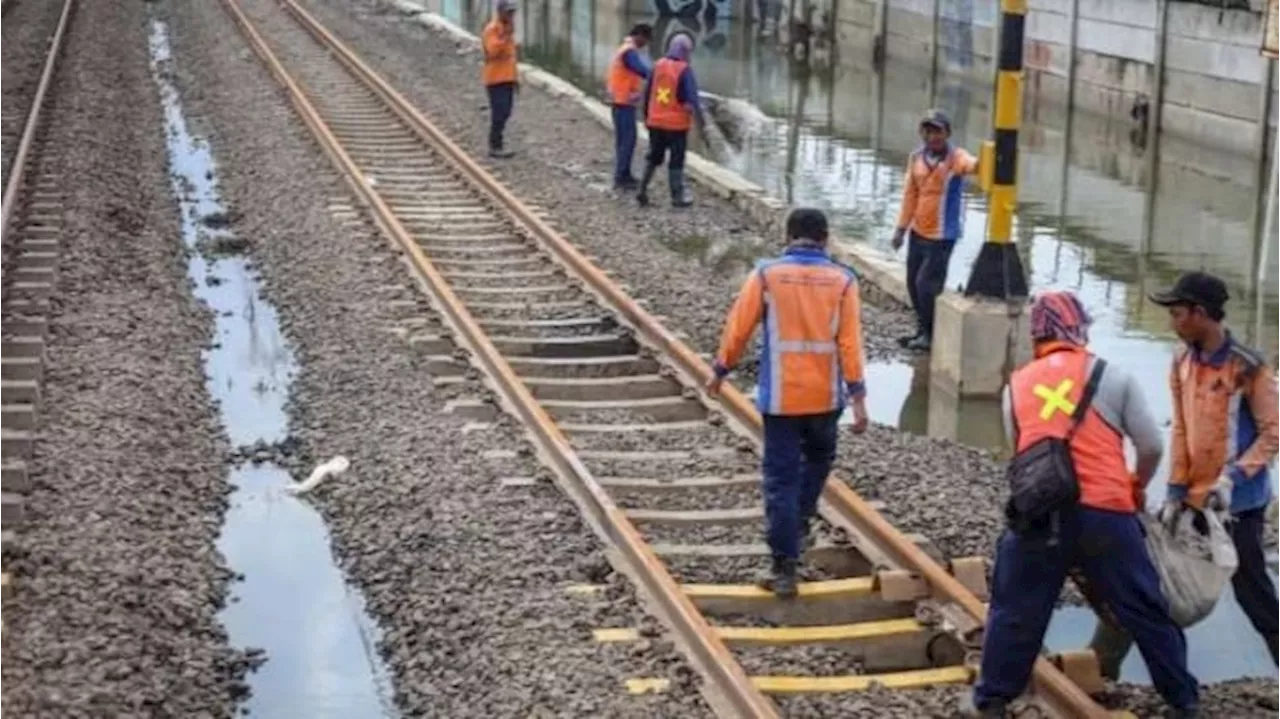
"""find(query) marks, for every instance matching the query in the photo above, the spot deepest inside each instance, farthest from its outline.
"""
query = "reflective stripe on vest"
(624, 86)
(666, 112)
(1044, 394)
(776, 349)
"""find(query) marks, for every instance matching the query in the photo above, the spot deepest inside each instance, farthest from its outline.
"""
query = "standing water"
(293, 602)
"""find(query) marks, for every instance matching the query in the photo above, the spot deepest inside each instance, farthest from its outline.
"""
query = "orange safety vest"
(1044, 394)
(666, 112)
(499, 44)
(624, 86)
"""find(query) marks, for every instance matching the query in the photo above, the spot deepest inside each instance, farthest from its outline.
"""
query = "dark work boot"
(500, 153)
(782, 578)
(643, 195)
(905, 340)
(921, 343)
(679, 193)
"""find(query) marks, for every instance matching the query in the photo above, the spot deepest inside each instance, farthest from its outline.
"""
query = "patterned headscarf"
(680, 46)
(1060, 317)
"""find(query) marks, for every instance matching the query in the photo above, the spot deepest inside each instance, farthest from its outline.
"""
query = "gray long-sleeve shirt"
(1121, 404)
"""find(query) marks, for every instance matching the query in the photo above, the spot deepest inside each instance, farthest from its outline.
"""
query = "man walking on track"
(625, 81)
(810, 364)
(933, 212)
(671, 107)
(499, 73)
(1225, 435)
(1074, 504)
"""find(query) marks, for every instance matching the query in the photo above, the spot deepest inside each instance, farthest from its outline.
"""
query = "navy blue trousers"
(502, 98)
(624, 143)
(798, 453)
(927, 263)
(1110, 550)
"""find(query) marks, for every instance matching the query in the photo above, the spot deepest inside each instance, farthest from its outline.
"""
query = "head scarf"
(680, 46)
(1060, 317)
(504, 5)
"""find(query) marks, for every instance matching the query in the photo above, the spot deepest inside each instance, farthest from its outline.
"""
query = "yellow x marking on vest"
(664, 96)
(1055, 400)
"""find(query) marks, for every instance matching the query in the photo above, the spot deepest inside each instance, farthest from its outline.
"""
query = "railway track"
(612, 401)
(31, 221)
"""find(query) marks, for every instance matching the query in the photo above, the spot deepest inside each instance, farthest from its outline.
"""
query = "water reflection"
(293, 602)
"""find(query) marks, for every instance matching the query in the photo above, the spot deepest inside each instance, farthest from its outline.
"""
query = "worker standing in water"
(1067, 413)
(625, 81)
(810, 365)
(932, 215)
(1225, 436)
(499, 73)
(671, 107)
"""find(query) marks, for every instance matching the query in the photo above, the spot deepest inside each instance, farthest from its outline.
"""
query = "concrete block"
(14, 477)
(20, 391)
(899, 585)
(12, 509)
(976, 343)
(1082, 668)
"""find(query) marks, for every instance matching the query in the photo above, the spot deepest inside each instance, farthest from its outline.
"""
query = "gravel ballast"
(919, 478)
(24, 35)
(466, 576)
(117, 581)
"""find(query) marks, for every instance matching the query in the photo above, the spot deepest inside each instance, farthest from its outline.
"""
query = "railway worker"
(1068, 400)
(627, 75)
(1225, 435)
(931, 219)
(671, 106)
(810, 364)
(499, 73)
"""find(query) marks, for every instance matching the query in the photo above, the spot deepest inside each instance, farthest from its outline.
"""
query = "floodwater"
(1090, 218)
(293, 602)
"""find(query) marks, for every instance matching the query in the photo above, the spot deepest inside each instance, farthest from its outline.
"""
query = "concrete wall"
(1213, 71)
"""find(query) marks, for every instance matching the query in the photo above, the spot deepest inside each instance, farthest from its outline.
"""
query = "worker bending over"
(499, 72)
(625, 81)
(671, 107)
(810, 364)
(1068, 406)
(1225, 434)
(933, 213)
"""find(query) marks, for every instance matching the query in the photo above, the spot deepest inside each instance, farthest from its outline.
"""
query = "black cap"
(1194, 288)
(936, 118)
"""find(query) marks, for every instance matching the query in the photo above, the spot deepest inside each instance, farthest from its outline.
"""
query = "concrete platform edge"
(875, 267)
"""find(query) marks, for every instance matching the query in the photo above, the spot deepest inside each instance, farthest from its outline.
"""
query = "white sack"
(1193, 568)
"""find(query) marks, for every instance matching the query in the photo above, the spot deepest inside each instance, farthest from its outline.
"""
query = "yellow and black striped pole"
(998, 273)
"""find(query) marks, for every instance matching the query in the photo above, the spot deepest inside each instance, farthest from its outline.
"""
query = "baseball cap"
(936, 118)
(1194, 288)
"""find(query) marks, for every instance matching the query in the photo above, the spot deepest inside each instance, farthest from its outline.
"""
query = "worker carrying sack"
(1042, 477)
(1195, 558)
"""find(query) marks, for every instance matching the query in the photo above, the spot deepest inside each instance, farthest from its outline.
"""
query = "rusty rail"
(19, 165)
(708, 652)
(711, 654)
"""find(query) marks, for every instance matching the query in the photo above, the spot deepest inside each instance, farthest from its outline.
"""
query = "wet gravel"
(467, 577)
(24, 35)
(117, 578)
(686, 264)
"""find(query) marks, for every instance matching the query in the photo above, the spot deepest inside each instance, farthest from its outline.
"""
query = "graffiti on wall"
(706, 20)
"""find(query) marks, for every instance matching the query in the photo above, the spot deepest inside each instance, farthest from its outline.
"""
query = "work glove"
(1169, 511)
(1219, 497)
(899, 235)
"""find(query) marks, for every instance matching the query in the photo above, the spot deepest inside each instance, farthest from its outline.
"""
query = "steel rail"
(17, 169)
(841, 503)
(711, 655)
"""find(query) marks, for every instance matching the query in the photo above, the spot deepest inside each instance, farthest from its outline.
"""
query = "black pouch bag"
(1042, 477)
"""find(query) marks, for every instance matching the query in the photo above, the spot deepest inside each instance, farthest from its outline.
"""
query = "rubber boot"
(679, 193)
(642, 196)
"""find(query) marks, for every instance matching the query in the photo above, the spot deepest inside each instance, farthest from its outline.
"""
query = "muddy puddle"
(293, 602)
